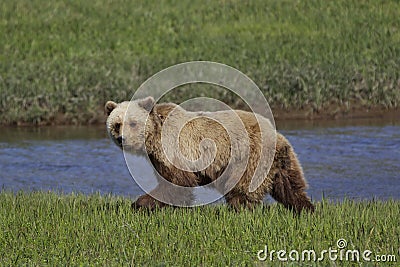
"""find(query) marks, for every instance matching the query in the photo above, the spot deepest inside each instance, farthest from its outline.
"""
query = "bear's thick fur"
(285, 181)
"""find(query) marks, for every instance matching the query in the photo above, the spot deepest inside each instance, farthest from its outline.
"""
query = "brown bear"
(142, 121)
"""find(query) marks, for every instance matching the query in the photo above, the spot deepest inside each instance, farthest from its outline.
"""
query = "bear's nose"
(120, 139)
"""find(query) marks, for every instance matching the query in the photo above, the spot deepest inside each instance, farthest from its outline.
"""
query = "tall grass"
(61, 60)
(53, 229)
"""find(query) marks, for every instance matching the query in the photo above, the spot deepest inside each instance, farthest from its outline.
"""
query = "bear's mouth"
(122, 143)
(119, 141)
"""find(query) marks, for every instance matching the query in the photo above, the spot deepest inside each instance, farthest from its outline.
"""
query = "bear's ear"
(109, 107)
(158, 117)
(147, 103)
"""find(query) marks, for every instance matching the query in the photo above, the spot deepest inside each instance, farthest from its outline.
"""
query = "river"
(341, 159)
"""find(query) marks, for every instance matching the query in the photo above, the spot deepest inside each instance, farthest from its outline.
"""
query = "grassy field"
(53, 229)
(61, 60)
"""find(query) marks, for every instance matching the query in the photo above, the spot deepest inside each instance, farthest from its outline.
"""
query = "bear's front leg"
(169, 196)
(147, 202)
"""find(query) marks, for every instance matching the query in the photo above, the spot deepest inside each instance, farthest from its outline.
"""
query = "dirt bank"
(281, 115)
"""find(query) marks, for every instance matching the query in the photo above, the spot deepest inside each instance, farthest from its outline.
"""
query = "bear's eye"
(117, 127)
(133, 124)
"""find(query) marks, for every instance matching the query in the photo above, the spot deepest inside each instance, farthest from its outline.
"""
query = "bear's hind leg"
(289, 184)
(291, 195)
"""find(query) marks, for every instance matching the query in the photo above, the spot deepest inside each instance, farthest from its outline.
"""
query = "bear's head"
(126, 122)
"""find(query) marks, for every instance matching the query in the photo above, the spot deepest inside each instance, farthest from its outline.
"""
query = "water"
(339, 160)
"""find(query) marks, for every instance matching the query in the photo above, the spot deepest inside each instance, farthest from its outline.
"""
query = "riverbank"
(55, 229)
(337, 113)
(330, 114)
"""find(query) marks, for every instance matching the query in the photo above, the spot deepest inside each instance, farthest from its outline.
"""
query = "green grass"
(53, 229)
(61, 60)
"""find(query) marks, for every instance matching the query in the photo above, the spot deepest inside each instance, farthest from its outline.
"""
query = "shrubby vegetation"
(61, 60)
